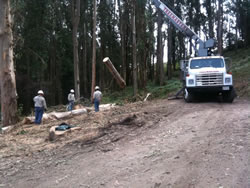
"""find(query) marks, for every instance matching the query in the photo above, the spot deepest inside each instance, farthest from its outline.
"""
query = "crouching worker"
(97, 96)
(71, 99)
(40, 106)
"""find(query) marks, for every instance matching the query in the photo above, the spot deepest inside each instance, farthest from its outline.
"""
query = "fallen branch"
(147, 97)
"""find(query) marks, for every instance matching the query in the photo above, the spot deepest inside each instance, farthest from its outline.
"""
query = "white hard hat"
(40, 92)
(97, 87)
(72, 91)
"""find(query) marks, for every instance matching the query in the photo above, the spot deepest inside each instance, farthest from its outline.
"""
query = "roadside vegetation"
(240, 70)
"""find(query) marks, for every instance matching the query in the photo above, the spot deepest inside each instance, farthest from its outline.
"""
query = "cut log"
(53, 133)
(102, 107)
(55, 115)
(61, 115)
(114, 72)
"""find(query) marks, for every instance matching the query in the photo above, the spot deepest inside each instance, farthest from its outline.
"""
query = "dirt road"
(156, 144)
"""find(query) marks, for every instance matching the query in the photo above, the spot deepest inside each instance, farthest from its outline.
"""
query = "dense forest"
(59, 44)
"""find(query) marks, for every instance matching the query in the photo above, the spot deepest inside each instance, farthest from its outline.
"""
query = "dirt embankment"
(153, 144)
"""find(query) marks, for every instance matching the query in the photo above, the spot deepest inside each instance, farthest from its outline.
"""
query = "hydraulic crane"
(181, 26)
(203, 73)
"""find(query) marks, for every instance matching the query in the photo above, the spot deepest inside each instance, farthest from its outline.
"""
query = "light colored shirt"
(71, 97)
(40, 101)
(97, 95)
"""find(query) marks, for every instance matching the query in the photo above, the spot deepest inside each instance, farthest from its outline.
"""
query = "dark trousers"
(96, 102)
(38, 114)
(71, 105)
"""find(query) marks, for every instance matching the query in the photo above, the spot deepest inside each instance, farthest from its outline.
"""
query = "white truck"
(207, 74)
(204, 73)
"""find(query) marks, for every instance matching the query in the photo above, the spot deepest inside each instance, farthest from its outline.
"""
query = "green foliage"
(164, 91)
(241, 70)
(157, 92)
(118, 97)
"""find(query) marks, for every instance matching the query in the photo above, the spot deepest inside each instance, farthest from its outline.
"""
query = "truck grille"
(209, 79)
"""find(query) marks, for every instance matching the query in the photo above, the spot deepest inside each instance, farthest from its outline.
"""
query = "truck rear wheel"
(188, 96)
(229, 96)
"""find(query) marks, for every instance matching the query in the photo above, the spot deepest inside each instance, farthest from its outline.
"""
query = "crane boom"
(181, 26)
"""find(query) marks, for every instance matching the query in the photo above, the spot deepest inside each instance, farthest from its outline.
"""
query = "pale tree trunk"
(124, 68)
(7, 74)
(135, 85)
(220, 27)
(160, 68)
(75, 20)
(94, 51)
(85, 79)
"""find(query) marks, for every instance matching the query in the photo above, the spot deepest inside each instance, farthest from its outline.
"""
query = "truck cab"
(208, 74)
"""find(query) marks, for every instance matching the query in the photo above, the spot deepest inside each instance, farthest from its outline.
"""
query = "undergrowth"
(156, 92)
(241, 70)
(241, 74)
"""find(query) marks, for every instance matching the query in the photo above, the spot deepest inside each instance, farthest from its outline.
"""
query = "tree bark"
(114, 72)
(7, 74)
(135, 85)
(220, 27)
(94, 51)
(170, 50)
(160, 71)
(85, 78)
(124, 68)
(75, 20)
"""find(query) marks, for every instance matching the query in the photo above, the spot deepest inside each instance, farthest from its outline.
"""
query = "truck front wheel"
(188, 96)
(229, 96)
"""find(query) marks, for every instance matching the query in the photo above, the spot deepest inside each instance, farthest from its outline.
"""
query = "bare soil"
(155, 144)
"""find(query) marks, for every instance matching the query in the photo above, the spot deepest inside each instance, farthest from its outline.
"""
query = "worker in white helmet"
(71, 99)
(40, 106)
(97, 97)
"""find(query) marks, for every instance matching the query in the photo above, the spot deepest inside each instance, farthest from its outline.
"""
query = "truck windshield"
(202, 63)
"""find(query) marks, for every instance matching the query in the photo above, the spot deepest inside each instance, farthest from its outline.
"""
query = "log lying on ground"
(53, 133)
(60, 115)
(55, 115)
(102, 107)
(114, 72)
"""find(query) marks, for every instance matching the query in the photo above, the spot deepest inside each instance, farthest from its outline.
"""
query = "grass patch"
(165, 90)
(157, 92)
(241, 70)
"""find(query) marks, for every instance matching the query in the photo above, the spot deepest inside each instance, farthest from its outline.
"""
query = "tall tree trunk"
(94, 51)
(124, 68)
(220, 27)
(7, 74)
(135, 86)
(84, 58)
(170, 50)
(76, 18)
(160, 68)
(210, 16)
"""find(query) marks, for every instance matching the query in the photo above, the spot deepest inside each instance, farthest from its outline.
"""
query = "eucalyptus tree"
(220, 26)
(75, 4)
(93, 49)
(160, 67)
(7, 74)
(135, 84)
